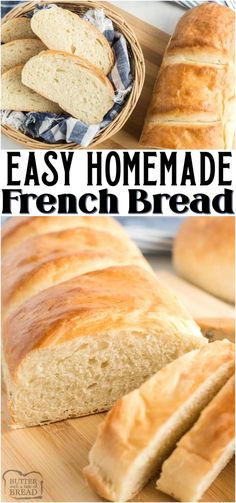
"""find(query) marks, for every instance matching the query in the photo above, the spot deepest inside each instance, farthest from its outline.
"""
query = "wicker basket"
(137, 68)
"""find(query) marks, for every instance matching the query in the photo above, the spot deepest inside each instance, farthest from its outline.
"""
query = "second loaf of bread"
(193, 101)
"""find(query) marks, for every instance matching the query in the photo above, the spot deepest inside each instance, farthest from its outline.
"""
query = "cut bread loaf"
(63, 30)
(16, 28)
(16, 96)
(204, 253)
(193, 101)
(203, 452)
(18, 229)
(142, 428)
(73, 349)
(89, 94)
(18, 52)
(38, 264)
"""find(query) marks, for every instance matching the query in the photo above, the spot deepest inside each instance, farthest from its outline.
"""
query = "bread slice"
(16, 28)
(78, 87)
(143, 427)
(63, 30)
(16, 96)
(38, 264)
(203, 452)
(75, 348)
(19, 51)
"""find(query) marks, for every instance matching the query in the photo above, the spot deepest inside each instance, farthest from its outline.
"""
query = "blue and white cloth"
(53, 128)
(193, 3)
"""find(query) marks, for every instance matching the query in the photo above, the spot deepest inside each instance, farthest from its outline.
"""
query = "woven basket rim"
(137, 61)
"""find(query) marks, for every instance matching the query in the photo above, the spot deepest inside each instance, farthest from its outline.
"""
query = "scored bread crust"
(179, 134)
(194, 94)
(206, 27)
(202, 452)
(152, 414)
(37, 264)
(27, 81)
(65, 12)
(118, 298)
(203, 253)
(74, 348)
(32, 45)
(16, 28)
(17, 229)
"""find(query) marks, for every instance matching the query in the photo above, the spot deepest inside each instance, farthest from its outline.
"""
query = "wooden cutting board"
(153, 43)
(60, 451)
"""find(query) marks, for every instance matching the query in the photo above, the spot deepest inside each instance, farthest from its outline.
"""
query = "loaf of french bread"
(86, 320)
(193, 100)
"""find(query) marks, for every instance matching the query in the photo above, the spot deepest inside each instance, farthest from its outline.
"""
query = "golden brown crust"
(184, 135)
(115, 298)
(204, 254)
(191, 105)
(18, 229)
(201, 449)
(191, 89)
(134, 421)
(207, 26)
(37, 264)
(176, 380)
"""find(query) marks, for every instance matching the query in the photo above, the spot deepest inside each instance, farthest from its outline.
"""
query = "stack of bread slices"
(56, 62)
(178, 426)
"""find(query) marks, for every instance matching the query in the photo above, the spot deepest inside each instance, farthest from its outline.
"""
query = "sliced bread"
(16, 28)
(77, 86)
(143, 427)
(19, 51)
(63, 30)
(16, 96)
(203, 452)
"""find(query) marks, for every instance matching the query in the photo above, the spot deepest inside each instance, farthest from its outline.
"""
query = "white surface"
(162, 14)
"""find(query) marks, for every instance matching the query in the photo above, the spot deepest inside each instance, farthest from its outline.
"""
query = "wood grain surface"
(153, 43)
(60, 451)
